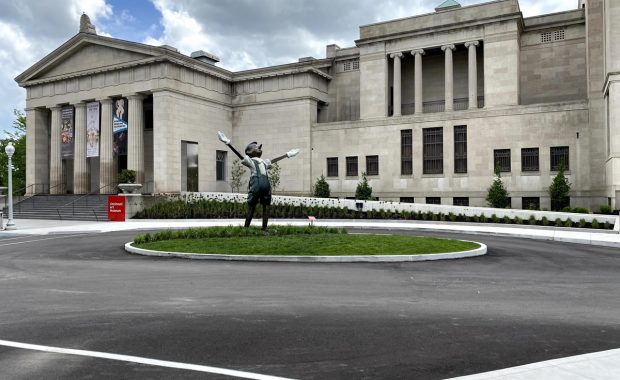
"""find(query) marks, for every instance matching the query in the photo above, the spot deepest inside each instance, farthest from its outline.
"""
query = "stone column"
(37, 143)
(397, 100)
(135, 138)
(80, 169)
(473, 74)
(449, 77)
(419, 102)
(56, 186)
(106, 154)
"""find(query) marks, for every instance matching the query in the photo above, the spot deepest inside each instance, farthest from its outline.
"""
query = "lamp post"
(10, 149)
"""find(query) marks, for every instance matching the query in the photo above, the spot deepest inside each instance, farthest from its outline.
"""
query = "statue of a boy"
(259, 189)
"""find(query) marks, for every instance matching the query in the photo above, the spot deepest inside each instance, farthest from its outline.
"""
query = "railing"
(73, 202)
(460, 104)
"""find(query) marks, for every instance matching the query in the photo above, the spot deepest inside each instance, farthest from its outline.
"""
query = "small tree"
(558, 190)
(497, 195)
(18, 137)
(274, 177)
(236, 176)
(363, 190)
(321, 188)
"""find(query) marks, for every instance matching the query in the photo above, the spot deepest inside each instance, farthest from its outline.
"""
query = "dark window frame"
(460, 201)
(526, 201)
(406, 152)
(372, 165)
(433, 200)
(460, 149)
(432, 150)
(530, 159)
(332, 166)
(407, 200)
(501, 158)
(352, 166)
(559, 155)
(220, 165)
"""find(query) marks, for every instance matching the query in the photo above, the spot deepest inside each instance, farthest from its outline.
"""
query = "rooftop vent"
(205, 57)
(171, 48)
(447, 5)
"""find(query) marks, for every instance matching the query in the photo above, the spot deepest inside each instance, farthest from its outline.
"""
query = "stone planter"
(130, 188)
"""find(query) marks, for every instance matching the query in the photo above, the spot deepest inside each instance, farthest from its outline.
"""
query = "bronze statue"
(259, 188)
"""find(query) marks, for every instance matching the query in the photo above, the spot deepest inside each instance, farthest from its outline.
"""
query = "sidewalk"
(571, 235)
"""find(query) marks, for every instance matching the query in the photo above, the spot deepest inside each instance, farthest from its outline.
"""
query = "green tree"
(321, 188)
(363, 190)
(236, 176)
(274, 177)
(497, 195)
(558, 190)
(18, 138)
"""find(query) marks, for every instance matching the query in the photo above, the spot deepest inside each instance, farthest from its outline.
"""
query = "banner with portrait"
(119, 126)
(92, 129)
(66, 132)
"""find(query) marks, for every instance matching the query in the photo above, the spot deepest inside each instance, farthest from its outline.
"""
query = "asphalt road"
(526, 301)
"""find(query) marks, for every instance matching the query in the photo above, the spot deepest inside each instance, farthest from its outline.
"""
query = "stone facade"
(545, 87)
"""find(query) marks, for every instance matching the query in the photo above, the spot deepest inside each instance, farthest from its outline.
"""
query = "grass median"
(295, 241)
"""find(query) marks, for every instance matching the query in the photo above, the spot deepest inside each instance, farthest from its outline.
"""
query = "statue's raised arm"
(289, 154)
(226, 141)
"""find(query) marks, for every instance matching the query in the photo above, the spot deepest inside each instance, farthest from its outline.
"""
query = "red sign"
(116, 208)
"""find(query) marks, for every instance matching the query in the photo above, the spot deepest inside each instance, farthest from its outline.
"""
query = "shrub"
(363, 190)
(580, 210)
(507, 219)
(321, 188)
(452, 217)
(518, 220)
(126, 176)
(497, 195)
(558, 222)
(559, 189)
(595, 224)
(568, 223)
(494, 218)
(483, 218)
(582, 223)
(604, 209)
(544, 221)
(532, 220)
(607, 226)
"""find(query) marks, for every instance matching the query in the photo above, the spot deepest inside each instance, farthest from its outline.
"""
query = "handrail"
(72, 203)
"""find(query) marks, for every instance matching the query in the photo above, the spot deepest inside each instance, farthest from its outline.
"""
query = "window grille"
(347, 65)
(352, 166)
(559, 156)
(460, 149)
(432, 150)
(406, 200)
(531, 203)
(502, 159)
(433, 200)
(372, 165)
(546, 37)
(220, 165)
(356, 65)
(530, 160)
(559, 35)
(406, 152)
(460, 201)
(332, 166)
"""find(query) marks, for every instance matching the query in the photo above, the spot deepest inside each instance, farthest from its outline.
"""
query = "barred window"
(347, 65)
(531, 203)
(559, 157)
(356, 64)
(220, 165)
(406, 152)
(530, 160)
(546, 37)
(432, 150)
(460, 149)
(352, 166)
(460, 201)
(501, 158)
(332, 166)
(433, 200)
(372, 165)
(406, 199)
(559, 35)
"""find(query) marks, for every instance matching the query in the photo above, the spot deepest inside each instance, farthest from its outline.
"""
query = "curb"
(312, 259)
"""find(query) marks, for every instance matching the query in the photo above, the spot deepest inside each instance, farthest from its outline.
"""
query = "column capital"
(446, 47)
(105, 100)
(134, 96)
(394, 55)
(56, 107)
(471, 43)
(418, 51)
(80, 105)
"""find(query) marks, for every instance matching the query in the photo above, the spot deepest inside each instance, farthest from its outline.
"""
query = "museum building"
(427, 106)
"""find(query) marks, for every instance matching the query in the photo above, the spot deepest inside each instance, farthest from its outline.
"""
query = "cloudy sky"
(245, 34)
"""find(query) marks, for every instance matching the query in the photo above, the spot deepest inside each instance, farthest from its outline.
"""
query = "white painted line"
(32, 241)
(137, 359)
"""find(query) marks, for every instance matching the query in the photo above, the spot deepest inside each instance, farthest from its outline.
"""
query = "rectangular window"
(546, 37)
(332, 166)
(220, 165)
(347, 65)
(372, 165)
(559, 156)
(432, 151)
(406, 152)
(406, 199)
(530, 203)
(356, 64)
(529, 160)
(352, 166)
(559, 35)
(501, 158)
(460, 201)
(433, 200)
(460, 149)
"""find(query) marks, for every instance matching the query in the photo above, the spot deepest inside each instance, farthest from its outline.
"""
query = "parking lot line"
(141, 360)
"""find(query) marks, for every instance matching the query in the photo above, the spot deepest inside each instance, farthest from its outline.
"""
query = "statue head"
(85, 25)
(253, 149)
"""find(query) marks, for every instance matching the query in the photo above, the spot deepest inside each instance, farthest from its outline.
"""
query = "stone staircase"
(62, 207)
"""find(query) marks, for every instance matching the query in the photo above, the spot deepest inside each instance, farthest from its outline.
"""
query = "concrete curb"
(313, 259)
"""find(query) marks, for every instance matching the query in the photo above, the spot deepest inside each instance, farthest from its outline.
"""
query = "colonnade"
(449, 78)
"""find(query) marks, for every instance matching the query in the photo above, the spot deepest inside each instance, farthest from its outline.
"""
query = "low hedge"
(212, 209)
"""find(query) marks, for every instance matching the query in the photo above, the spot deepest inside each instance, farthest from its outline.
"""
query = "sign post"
(116, 208)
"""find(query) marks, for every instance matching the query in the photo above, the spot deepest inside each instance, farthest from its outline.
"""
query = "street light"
(10, 149)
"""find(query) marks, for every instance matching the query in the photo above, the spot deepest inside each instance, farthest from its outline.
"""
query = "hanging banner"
(92, 129)
(119, 126)
(66, 132)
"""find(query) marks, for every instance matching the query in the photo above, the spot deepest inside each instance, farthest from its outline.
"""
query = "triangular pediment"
(85, 53)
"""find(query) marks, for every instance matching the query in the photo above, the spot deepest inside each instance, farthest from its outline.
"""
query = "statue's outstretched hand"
(292, 153)
(223, 138)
